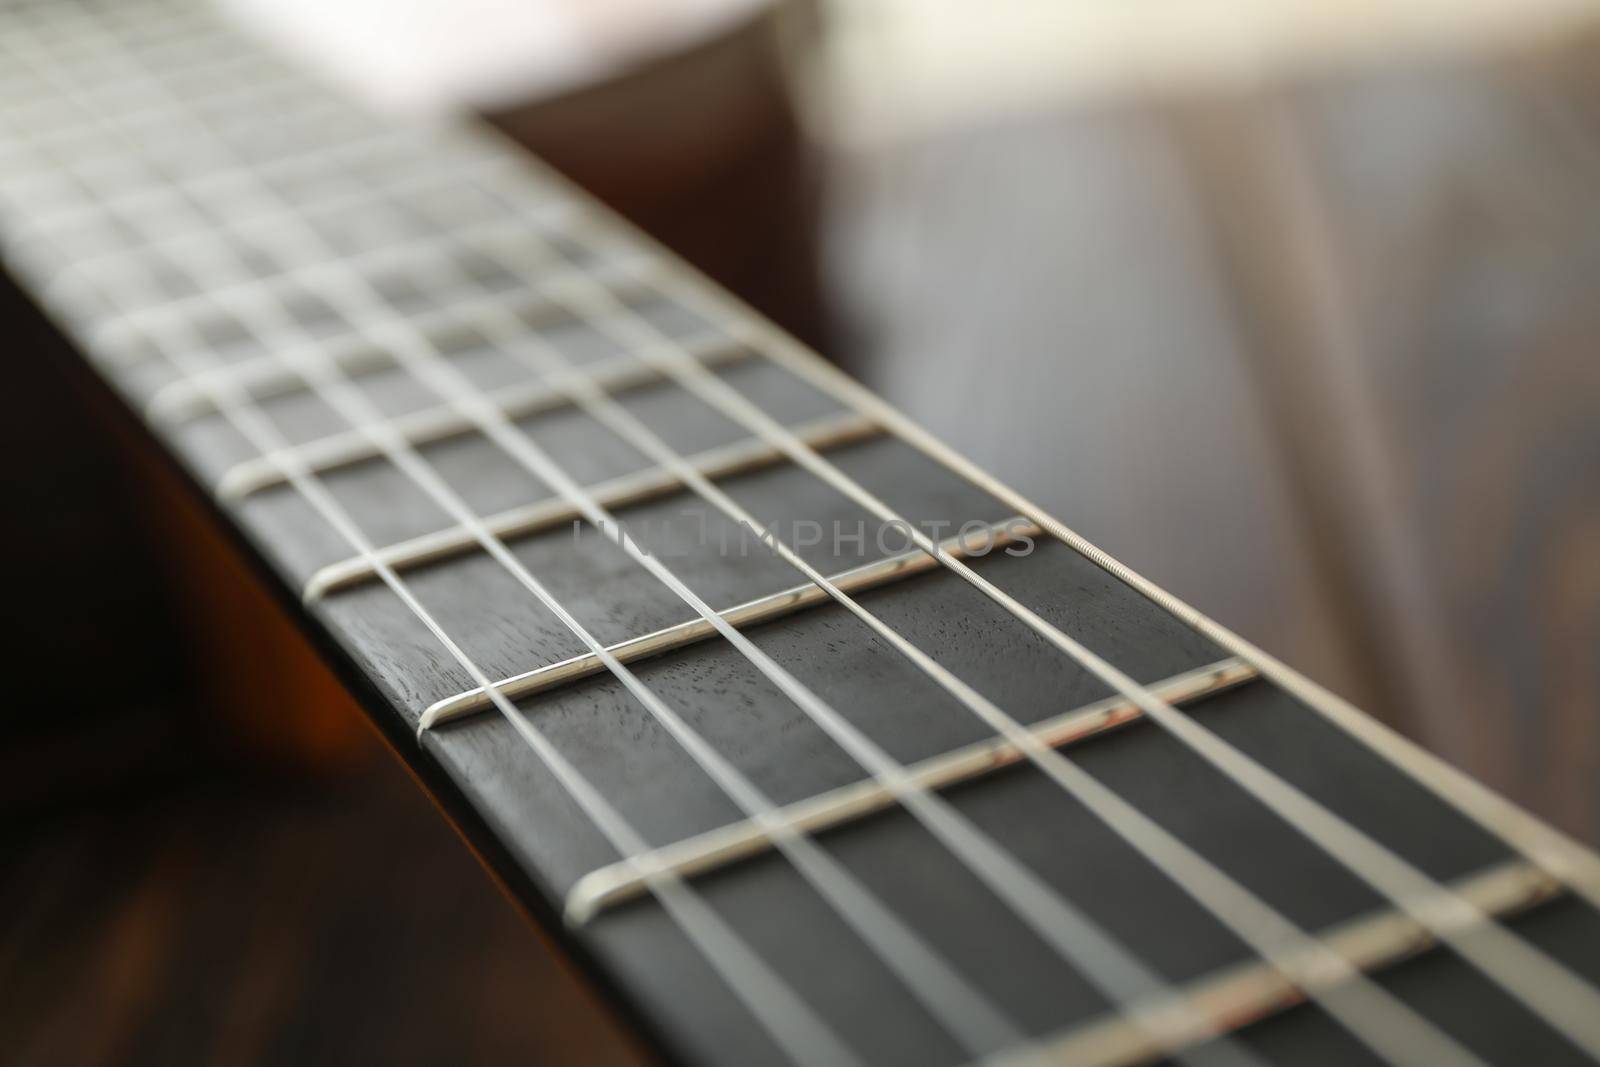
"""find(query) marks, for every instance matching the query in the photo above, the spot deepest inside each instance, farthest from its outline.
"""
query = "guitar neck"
(813, 741)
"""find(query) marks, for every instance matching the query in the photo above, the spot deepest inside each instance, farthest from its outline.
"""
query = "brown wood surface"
(250, 918)
(1413, 254)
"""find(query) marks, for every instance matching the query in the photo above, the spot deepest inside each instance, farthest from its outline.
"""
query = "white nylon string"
(95, 268)
(1371, 1013)
(1123, 978)
(794, 1026)
(952, 1002)
(1548, 988)
(1575, 865)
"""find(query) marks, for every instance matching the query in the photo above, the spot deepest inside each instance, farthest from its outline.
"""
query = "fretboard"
(814, 742)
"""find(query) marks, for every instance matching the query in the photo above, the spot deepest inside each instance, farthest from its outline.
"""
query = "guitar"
(809, 740)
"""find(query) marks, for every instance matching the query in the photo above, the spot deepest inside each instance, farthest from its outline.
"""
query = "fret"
(258, 291)
(714, 849)
(267, 362)
(403, 253)
(265, 376)
(1245, 994)
(624, 490)
(444, 422)
(107, 264)
(751, 613)
(247, 296)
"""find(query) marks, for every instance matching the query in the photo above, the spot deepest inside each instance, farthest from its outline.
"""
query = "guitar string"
(1406, 1036)
(1564, 1000)
(1363, 1006)
(1436, 1045)
(1545, 847)
(1371, 1013)
(989, 859)
(794, 1027)
(836, 591)
(951, 1002)
(1575, 865)
(1419, 1035)
(1144, 986)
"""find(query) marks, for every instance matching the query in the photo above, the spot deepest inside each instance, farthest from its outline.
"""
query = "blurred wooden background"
(1319, 354)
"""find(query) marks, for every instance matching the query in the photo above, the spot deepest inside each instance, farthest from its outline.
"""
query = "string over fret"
(751, 613)
(1250, 992)
(444, 422)
(715, 849)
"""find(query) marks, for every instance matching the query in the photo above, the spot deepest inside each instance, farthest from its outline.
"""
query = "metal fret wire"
(873, 575)
(1368, 1011)
(107, 260)
(309, 271)
(721, 846)
(793, 1025)
(265, 376)
(1252, 991)
(952, 1002)
(442, 422)
(390, 254)
(526, 520)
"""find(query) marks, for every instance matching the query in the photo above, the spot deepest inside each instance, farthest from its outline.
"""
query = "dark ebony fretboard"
(840, 800)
